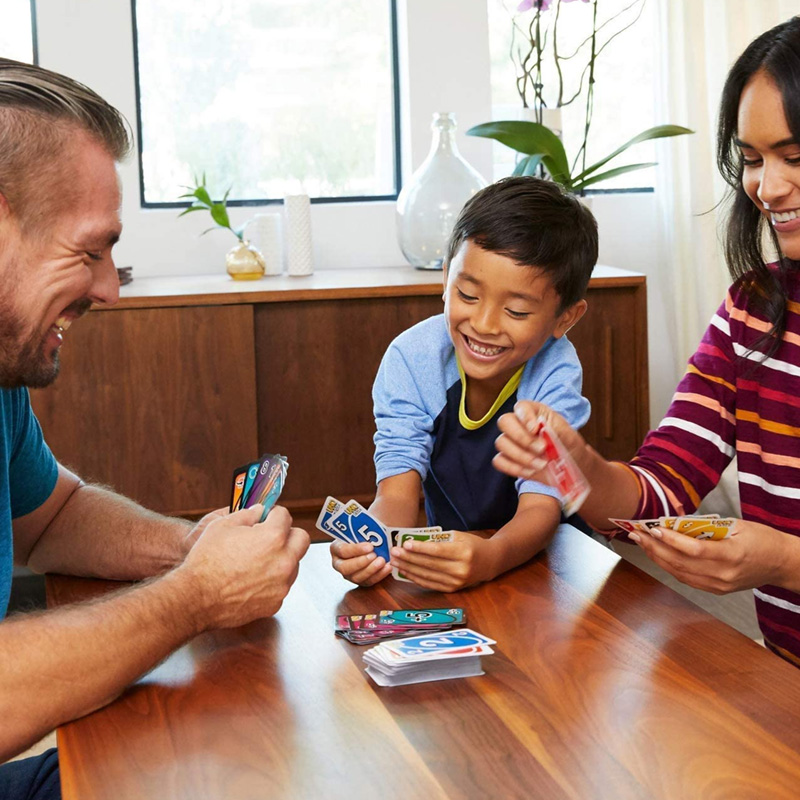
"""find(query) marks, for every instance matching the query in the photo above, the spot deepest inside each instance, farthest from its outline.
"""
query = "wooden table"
(605, 684)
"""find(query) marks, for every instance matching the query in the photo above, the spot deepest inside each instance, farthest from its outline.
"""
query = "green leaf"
(201, 193)
(658, 132)
(530, 138)
(192, 208)
(220, 215)
(612, 173)
(528, 165)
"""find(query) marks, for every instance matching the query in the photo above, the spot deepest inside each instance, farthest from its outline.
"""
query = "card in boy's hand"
(330, 508)
(360, 526)
(431, 534)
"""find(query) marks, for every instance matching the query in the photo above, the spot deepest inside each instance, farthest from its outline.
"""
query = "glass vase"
(244, 263)
(430, 202)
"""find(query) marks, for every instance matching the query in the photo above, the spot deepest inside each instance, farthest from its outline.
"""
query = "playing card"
(355, 522)
(423, 616)
(705, 528)
(268, 483)
(563, 471)
(330, 508)
(237, 486)
(252, 474)
(434, 534)
(428, 645)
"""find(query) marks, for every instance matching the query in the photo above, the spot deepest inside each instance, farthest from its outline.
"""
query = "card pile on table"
(371, 628)
(351, 522)
(698, 526)
(259, 482)
(430, 657)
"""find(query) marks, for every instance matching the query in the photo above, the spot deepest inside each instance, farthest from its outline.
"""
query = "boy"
(517, 268)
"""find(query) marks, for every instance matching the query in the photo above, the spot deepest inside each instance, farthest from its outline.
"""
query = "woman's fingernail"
(656, 533)
(634, 537)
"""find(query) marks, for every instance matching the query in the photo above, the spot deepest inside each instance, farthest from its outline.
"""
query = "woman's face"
(771, 174)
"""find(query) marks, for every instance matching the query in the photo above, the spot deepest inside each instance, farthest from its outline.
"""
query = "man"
(59, 220)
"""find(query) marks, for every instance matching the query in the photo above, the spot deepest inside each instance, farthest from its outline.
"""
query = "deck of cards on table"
(429, 657)
(698, 526)
(371, 628)
(259, 482)
(351, 522)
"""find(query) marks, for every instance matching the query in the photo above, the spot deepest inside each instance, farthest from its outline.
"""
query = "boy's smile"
(499, 315)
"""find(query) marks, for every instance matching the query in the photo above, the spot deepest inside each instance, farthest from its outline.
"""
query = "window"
(267, 97)
(16, 32)
(624, 93)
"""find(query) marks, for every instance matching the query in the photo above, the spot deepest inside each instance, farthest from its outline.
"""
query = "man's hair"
(537, 224)
(40, 114)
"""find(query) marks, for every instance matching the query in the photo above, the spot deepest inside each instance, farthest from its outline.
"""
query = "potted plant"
(243, 262)
(538, 145)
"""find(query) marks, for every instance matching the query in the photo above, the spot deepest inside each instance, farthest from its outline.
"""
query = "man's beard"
(23, 362)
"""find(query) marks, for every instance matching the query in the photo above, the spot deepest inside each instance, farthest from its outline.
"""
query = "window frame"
(396, 129)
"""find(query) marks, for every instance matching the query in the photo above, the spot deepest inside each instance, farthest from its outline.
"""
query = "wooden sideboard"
(161, 396)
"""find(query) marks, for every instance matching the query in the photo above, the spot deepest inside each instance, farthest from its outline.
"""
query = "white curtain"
(700, 40)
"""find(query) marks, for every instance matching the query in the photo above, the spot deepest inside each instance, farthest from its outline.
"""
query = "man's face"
(50, 277)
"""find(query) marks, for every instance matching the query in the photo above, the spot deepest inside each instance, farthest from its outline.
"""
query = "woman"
(741, 394)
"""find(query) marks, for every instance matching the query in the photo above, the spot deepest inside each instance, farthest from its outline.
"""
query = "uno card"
(435, 534)
(355, 522)
(706, 528)
(439, 643)
(563, 471)
(237, 486)
(268, 483)
(252, 474)
(330, 508)
(423, 616)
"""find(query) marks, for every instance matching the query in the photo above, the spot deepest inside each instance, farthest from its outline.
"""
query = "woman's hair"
(776, 52)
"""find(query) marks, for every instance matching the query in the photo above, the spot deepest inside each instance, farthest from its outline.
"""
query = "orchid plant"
(535, 22)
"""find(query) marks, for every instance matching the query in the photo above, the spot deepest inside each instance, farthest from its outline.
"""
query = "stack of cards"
(563, 471)
(351, 522)
(259, 482)
(437, 657)
(371, 628)
(698, 526)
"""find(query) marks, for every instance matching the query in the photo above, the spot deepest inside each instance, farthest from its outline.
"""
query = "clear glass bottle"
(430, 202)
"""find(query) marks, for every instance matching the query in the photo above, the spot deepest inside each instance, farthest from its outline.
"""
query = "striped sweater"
(733, 402)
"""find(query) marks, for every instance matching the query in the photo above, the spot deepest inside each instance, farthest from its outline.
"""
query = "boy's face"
(499, 314)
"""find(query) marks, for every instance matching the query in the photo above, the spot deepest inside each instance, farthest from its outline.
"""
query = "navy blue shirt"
(421, 424)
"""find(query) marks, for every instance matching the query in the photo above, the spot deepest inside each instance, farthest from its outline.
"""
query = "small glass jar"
(244, 263)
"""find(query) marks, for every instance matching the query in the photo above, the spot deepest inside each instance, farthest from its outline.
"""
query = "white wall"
(444, 55)
(445, 67)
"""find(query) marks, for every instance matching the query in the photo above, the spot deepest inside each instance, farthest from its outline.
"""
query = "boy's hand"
(358, 563)
(446, 566)
(521, 451)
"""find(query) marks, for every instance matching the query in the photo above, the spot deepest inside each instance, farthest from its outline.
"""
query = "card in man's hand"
(259, 482)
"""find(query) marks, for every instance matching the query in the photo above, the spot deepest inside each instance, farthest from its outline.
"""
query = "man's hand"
(753, 556)
(521, 450)
(358, 563)
(242, 569)
(446, 566)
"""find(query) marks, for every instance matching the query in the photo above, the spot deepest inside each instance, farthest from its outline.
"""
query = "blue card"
(435, 643)
(356, 523)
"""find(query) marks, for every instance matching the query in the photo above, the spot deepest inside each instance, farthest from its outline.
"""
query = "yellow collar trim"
(507, 391)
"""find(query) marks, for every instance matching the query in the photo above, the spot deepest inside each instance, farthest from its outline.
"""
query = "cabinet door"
(157, 403)
(315, 364)
(611, 341)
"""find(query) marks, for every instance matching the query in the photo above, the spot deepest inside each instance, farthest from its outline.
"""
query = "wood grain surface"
(605, 684)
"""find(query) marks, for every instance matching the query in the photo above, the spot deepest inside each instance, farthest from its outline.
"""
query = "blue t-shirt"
(417, 395)
(28, 473)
